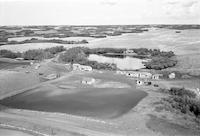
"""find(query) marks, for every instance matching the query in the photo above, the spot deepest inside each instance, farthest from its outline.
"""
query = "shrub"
(9, 54)
(181, 92)
(37, 55)
(186, 105)
(97, 65)
(55, 50)
(3, 39)
(184, 100)
(73, 55)
(159, 63)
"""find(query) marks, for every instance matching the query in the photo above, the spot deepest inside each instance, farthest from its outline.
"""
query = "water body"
(92, 102)
(126, 63)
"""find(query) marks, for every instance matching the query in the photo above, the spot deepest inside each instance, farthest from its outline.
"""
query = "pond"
(124, 63)
(93, 102)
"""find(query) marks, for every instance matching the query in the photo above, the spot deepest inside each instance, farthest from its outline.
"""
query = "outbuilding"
(145, 75)
(139, 82)
(132, 74)
(76, 66)
(172, 76)
(86, 68)
(37, 65)
(121, 72)
(82, 67)
(156, 76)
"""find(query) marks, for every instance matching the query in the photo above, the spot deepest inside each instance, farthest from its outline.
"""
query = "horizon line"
(100, 24)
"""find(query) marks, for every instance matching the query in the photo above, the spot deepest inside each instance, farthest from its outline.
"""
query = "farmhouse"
(86, 68)
(76, 66)
(172, 75)
(156, 76)
(68, 66)
(130, 52)
(136, 74)
(37, 66)
(121, 72)
(133, 74)
(79, 67)
(145, 75)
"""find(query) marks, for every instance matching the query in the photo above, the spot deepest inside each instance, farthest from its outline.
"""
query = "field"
(112, 105)
(137, 120)
(5, 132)
(188, 64)
(182, 43)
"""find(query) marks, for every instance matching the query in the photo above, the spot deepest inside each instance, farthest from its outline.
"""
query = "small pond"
(123, 63)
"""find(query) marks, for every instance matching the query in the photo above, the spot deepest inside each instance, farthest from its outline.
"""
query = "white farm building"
(79, 67)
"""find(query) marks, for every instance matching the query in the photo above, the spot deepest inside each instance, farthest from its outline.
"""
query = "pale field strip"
(67, 116)
(23, 129)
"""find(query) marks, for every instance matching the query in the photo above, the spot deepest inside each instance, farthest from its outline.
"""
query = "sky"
(99, 12)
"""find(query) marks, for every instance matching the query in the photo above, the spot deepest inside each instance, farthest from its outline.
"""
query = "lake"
(93, 102)
(126, 63)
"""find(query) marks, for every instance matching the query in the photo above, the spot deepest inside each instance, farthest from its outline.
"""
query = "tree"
(73, 55)
(9, 54)
(37, 55)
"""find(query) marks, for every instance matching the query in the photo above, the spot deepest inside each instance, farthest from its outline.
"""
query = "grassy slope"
(188, 63)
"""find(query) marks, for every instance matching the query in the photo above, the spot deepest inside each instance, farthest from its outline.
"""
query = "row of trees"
(138, 51)
(35, 40)
(9, 54)
(37, 54)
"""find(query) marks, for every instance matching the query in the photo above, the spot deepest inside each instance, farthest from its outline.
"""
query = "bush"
(55, 50)
(184, 100)
(40, 54)
(3, 39)
(37, 55)
(97, 65)
(159, 63)
(9, 54)
(186, 105)
(73, 55)
(154, 52)
(181, 92)
(104, 50)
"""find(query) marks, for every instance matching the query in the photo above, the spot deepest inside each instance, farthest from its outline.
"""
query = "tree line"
(35, 54)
